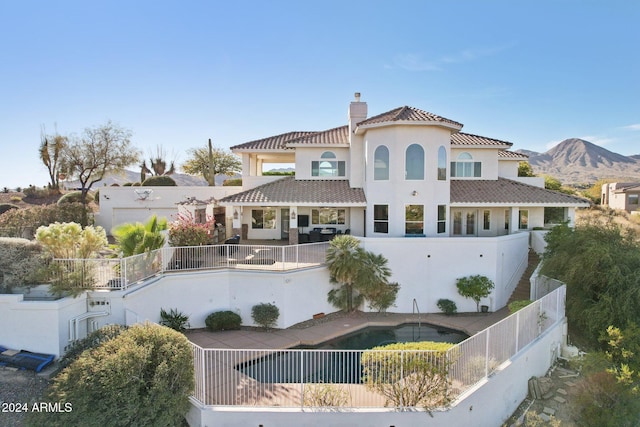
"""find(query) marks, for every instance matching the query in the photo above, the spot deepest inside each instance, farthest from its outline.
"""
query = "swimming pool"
(339, 363)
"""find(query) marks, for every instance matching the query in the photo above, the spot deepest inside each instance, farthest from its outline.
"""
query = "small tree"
(475, 287)
(185, 231)
(99, 150)
(51, 147)
(524, 169)
(210, 162)
(411, 374)
(144, 376)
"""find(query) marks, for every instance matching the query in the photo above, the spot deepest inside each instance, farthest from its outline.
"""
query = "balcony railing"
(121, 273)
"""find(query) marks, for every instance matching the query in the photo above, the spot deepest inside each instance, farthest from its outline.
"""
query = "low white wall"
(488, 405)
(199, 294)
(38, 326)
(538, 244)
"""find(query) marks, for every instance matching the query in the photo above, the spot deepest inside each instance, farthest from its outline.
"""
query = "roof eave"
(360, 129)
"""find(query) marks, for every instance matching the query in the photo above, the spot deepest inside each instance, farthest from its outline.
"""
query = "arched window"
(414, 162)
(465, 167)
(381, 163)
(328, 155)
(442, 164)
(328, 166)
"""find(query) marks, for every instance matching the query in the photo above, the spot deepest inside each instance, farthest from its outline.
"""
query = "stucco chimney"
(357, 112)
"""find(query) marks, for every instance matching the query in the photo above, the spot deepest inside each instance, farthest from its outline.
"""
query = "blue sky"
(178, 73)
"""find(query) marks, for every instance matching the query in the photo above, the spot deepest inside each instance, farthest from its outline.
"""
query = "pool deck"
(326, 329)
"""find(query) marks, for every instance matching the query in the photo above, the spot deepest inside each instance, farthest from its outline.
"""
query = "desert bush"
(416, 378)
(518, 305)
(174, 319)
(223, 321)
(22, 263)
(159, 181)
(4, 207)
(96, 197)
(447, 306)
(39, 193)
(232, 182)
(265, 315)
(69, 240)
(71, 197)
(325, 395)
(144, 376)
(600, 400)
(39, 215)
(91, 341)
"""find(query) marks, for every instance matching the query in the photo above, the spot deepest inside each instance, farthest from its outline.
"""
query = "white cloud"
(418, 62)
(598, 140)
(632, 127)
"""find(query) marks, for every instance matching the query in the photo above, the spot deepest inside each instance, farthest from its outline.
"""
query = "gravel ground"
(18, 388)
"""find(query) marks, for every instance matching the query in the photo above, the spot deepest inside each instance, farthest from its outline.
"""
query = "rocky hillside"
(576, 161)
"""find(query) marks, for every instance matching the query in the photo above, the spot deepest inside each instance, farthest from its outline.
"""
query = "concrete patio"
(327, 329)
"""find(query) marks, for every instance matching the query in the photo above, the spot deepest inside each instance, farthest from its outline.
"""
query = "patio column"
(514, 224)
(293, 225)
(570, 215)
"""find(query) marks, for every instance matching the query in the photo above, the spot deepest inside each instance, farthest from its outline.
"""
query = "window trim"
(441, 224)
(317, 215)
(523, 214)
(442, 163)
(486, 220)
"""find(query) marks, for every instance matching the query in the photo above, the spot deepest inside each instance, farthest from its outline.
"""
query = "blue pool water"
(291, 366)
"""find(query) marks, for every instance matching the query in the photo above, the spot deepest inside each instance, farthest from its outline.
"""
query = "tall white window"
(414, 219)
(442, 164)
(381, 218)
(414, 162)
(523, 223)
(263, 218)
(381, 164)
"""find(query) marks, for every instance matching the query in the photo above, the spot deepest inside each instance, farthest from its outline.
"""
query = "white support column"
(571, 216)
(514, 224)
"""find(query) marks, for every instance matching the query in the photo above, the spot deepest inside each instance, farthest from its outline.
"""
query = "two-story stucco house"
(402, 173)
(621, 195)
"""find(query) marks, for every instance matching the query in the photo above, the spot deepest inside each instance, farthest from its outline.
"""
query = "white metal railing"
(337, 378)
(120, 273)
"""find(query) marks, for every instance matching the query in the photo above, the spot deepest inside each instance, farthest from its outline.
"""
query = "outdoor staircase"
(523, 289)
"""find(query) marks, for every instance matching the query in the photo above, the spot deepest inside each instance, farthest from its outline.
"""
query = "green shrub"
(447, 306)
(143, 377)
(265, 315)
(15, 198)
(518, 305)
(91, 341)
(159, 181)
(4, 207)
(39, 193)
(71, 197)
(22, 263)
(127, 184)
(174, 319)
(96, 197)
(326, 395)
(223, 321)
(232, 182)
(412, 378)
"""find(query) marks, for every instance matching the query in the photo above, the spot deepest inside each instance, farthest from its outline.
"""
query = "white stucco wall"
(38, 326)
(117, 203)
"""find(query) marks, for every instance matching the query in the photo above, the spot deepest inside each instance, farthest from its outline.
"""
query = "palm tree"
(344, 258)
(138, 238)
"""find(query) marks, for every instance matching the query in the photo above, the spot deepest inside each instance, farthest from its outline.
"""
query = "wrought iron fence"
(366, 378)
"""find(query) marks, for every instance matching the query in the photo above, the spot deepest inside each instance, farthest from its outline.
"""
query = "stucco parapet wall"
(40, 304)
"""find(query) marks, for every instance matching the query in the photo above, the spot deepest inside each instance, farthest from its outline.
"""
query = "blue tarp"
(26, 360)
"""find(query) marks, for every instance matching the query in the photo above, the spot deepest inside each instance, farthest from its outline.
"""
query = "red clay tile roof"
(510, 155)
(407, 114)
(277, 142)
(508, 193)
(335, 136)
(288, 191)
(466, 139)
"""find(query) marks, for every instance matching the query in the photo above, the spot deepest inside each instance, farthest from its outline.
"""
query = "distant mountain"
(130, 176)
(576, 161)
